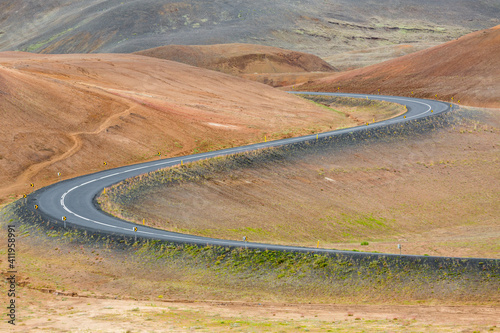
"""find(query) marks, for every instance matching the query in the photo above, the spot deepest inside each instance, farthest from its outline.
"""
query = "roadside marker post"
(399, 247)
(143, 221)
(317, 245)
(135, 234)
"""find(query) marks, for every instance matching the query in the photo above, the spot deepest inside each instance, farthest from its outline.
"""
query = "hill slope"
(314, 26)
(71, 113)
(466, 69)
(240, 58)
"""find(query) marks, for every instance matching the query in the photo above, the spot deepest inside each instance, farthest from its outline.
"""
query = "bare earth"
(240, 58)
(58, 313)
(463, 70)
(69, 114)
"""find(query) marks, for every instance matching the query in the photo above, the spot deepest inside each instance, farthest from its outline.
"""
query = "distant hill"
(467, 69)
(240, 58)
(319, 27)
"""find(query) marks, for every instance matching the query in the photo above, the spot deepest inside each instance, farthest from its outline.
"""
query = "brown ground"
(465, 69)
(285, 79)
(370, 56)
(59, 313)
(90, 288)
(240, 58)
(72, 113)
(436, 195)
(341, 61)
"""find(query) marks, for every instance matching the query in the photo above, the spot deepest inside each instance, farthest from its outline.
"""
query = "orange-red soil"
(466, 69)
(241, 58)
(69, 114)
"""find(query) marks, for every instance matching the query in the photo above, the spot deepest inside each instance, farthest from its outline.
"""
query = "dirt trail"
(34, 169)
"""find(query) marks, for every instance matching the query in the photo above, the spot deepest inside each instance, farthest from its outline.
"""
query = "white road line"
(206, 155)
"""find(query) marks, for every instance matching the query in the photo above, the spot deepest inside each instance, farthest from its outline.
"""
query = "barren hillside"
(240, 58)
(466, 69)
(72, 113)
(320, 27)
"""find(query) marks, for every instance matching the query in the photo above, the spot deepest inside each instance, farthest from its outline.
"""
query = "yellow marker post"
(404, 117)
(143, 221)
(182, 163)
(265, 138)
(317, 245)
(104, 191)
(316, 136)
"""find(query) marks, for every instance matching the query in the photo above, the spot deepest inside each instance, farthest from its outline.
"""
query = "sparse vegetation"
(236, 195)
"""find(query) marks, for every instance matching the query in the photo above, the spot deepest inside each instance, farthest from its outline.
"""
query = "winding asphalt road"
(74, 198)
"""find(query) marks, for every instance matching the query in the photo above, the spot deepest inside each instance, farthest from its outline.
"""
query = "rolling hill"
(240, 58)
(69, 114)
(313, 26)
(466, 69)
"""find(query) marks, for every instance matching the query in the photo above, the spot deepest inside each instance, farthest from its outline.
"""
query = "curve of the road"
(74, 198)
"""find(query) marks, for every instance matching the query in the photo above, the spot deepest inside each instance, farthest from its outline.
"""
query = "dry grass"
(435, 194)
(102, 315)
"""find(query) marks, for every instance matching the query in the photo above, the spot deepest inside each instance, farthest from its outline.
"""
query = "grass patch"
(35, 47)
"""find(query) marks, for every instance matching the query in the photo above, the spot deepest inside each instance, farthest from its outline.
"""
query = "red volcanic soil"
(69, 114)
(241, 58)
(467, 69)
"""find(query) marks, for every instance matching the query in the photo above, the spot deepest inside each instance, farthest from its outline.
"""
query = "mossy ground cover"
(147, 269)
